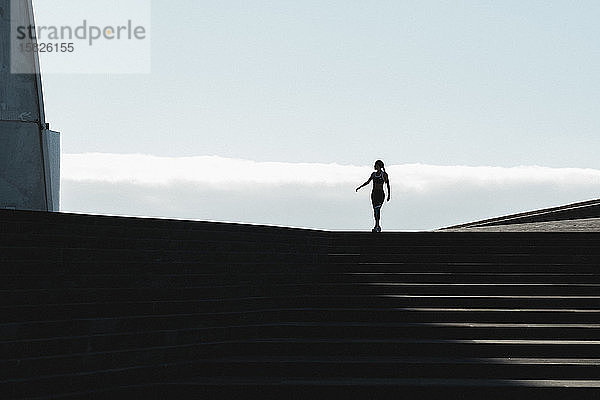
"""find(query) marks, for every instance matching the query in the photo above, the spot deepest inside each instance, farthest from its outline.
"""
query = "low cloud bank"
(310, 195)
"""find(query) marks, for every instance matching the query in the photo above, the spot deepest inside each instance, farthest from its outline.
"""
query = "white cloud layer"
(310, 195)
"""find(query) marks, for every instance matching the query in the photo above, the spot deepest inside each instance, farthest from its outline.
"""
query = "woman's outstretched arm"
(366, 183)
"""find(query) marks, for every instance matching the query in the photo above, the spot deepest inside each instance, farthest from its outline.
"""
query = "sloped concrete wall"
(22, 183)
(576, 211)
(19, 95)
(51, 142)
(29, 154)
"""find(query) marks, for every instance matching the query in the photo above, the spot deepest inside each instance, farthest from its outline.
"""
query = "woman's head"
(379, 165)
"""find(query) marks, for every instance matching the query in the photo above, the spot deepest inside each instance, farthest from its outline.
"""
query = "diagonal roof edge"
(580, 210)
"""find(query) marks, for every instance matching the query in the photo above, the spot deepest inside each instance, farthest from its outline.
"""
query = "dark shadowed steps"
(99, 307)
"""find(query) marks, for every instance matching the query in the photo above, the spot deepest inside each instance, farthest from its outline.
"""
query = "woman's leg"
(377, 198)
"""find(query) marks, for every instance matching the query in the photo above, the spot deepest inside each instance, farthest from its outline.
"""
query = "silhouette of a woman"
(379, 177)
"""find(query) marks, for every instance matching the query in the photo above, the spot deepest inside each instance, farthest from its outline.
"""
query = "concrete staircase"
(98, 307)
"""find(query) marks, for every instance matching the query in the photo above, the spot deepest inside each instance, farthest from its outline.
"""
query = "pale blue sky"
(500, 83)
(435, 83)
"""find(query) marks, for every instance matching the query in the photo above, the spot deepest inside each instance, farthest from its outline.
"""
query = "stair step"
(66, 268)
(356, 368)
(394, 308)
(407, 382)
(91, 281)
(146, 337)
(498, 258)
(61, 296)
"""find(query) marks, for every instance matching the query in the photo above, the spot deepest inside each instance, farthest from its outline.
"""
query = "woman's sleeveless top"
(378, 179)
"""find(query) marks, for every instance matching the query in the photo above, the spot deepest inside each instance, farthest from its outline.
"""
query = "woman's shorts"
(377, 198)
